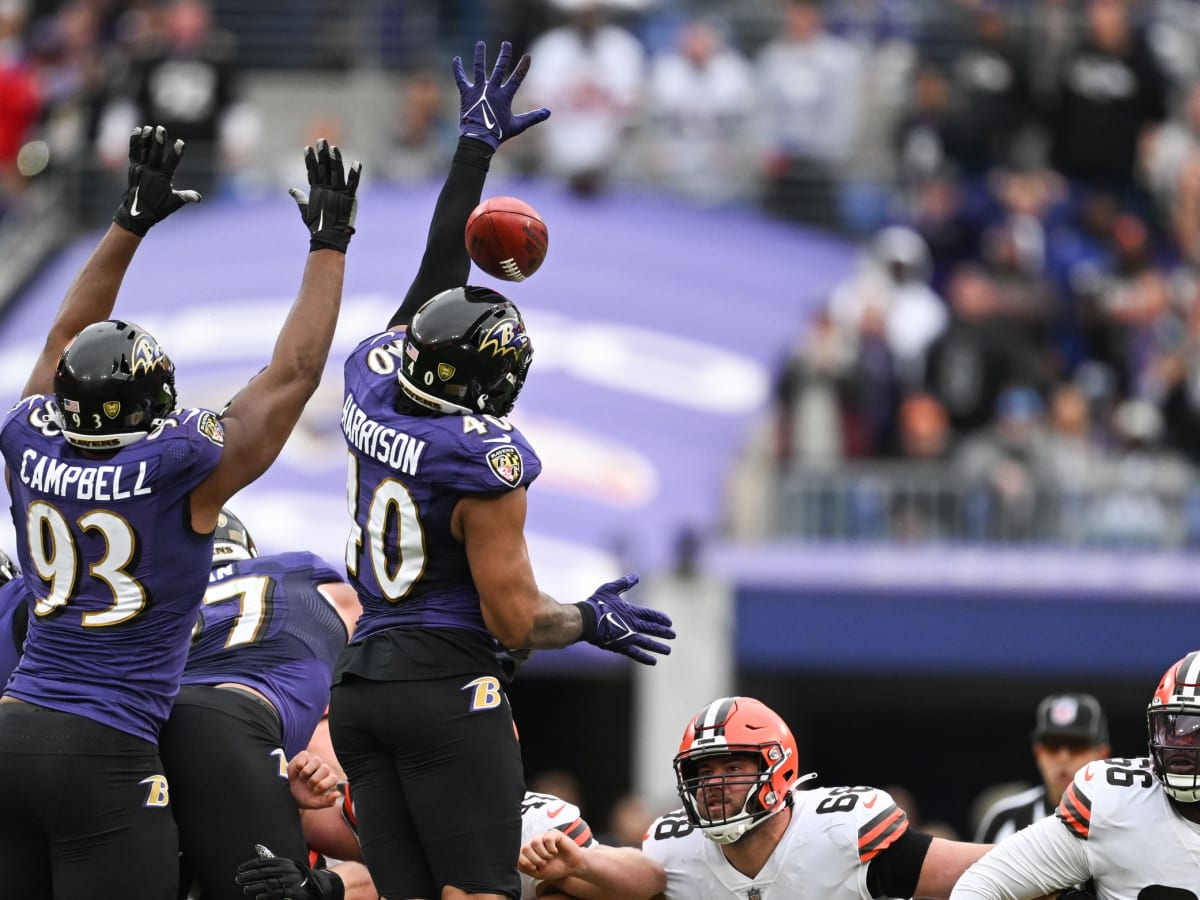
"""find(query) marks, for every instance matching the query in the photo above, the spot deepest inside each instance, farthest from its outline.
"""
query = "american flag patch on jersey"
(881, 832)
(1075, 811)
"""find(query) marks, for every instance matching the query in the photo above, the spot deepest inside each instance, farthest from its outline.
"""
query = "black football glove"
(620, 626)
(270, 877)
(331, 204)
(150, 197)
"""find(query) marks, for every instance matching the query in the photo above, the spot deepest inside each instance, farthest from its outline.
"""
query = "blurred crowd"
(1023, 177)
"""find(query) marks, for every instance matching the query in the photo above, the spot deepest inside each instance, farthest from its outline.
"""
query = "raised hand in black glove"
(270, 877)
(331, 204)
(151, 197)
(617, 625)
(485, 107)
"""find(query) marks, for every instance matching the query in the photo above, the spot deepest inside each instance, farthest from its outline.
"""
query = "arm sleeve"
(897, 869)
(446, 263)
(1039, 860)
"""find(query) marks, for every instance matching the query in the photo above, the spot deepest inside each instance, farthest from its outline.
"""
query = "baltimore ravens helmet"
(112, 383)
(231, 540)
(466, 351)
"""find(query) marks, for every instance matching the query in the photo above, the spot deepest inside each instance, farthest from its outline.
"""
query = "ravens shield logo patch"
(210, 426)
(506, 464)
(111, 408)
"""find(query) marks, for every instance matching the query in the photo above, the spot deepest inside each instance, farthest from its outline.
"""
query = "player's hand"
(485, 107)
(622, 627)
(550, 856)
(313, 783)
(331, 204)
(150, 196)
(269, 877)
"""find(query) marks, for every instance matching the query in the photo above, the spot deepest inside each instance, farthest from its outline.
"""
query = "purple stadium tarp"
(657, 328)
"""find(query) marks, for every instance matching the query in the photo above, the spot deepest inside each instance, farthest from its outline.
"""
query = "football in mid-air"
(507, 238)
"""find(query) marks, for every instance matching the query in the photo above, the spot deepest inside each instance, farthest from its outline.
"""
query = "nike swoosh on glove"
(151, 196)
(485, 104)
(331, 204)
(612, 623)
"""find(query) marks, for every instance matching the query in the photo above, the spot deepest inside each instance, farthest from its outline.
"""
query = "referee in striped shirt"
(1070, 731)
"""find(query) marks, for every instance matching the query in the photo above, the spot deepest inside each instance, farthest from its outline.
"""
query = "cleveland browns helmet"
(737, 725)
(1173, 719)
(231, 540)
(466, 351)
(113, 382)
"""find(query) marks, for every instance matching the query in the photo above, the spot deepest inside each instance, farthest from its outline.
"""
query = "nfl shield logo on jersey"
(753, 894)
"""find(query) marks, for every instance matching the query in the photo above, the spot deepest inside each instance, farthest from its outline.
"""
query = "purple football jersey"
(107, 550)
(264, 624)
(406, 475)
(14, 610)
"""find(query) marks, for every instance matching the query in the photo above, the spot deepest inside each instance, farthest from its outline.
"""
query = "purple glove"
(614, 624)
(485, 110)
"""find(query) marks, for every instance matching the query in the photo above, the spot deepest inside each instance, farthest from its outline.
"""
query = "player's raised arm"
(486, 120)
(149, 198)
(261, 416)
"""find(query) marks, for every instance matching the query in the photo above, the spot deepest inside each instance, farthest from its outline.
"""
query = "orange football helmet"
(1173, 720)
(729, 726)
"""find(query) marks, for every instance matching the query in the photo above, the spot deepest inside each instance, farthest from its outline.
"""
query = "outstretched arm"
(519, 615)
(149, 198)
(486, 120)
(260, 418)
(596, 873)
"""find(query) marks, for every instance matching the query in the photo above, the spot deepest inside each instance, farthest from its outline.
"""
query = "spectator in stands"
(20, 100)
(811, 87)
(423, 135)
(994, 105)
(1139, 503)
(891, 287)
(590, 71)
(1110, 85)
(1071, 730)
(1170, 161)
(978, 354)
(186, 78)
(700, 107)
(999, 467)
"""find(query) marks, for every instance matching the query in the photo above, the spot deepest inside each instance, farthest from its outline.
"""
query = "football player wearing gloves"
(117, 545)
(1132, 826)
(438, 481)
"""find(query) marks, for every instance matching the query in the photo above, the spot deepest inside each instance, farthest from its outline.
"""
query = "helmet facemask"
(765, 786)
(1175, 751)
(1173, 720)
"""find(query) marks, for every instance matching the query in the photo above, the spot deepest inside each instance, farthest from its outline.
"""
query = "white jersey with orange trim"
(539, 812)
(833, 835)
(1115, 824)
(544, 812)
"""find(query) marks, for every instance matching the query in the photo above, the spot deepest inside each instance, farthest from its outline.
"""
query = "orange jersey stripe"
(881, 832)
(1075, 811)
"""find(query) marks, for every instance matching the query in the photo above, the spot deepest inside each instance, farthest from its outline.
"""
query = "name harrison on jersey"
(42, 473)
(382, 442)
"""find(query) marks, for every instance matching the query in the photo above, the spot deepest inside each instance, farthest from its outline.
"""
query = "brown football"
(507, 238)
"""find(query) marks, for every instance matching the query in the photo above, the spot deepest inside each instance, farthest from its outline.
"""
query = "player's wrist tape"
(588, 613)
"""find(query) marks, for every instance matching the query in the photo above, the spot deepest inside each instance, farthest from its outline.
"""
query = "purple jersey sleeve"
(116, 571)
(265, 624)
(407, 474)
(14, 610)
